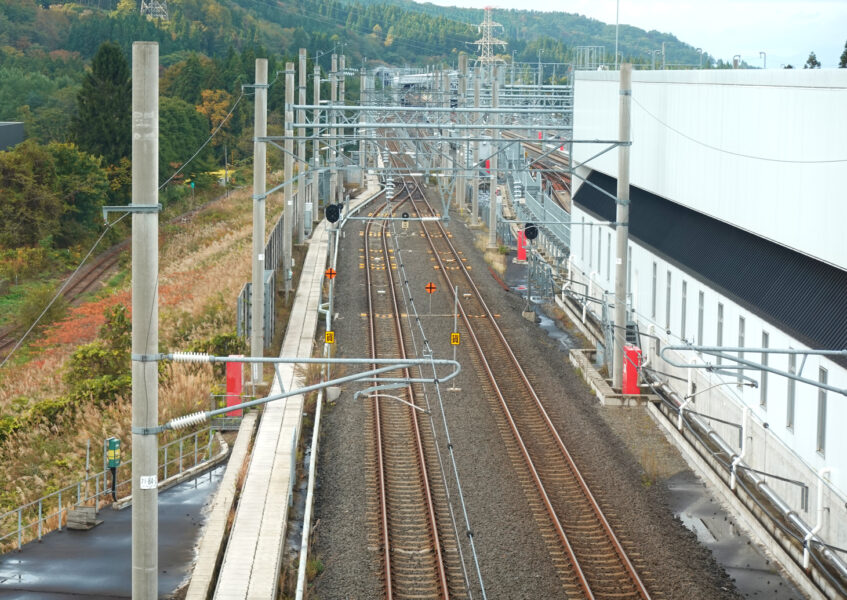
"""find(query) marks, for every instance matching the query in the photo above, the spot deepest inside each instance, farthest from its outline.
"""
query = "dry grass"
(203, 264)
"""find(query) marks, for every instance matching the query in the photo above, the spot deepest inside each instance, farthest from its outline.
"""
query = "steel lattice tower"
(156, 9)
(486, 56)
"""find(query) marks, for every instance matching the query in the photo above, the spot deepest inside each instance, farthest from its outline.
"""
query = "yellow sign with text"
(454, 338)
(329, 337)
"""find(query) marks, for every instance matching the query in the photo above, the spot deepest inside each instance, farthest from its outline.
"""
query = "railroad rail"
(411, 504)
(588, 556)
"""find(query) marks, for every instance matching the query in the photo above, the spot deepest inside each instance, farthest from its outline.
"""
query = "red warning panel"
(234, 386)
(631, 364)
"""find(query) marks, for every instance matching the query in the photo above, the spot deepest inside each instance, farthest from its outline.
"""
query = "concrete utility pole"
(145, 319)
(333, 132)
(475, 158)
(492, 194)
(301, 150)
(622, 219)
(257, 291)
(316, 146)
(463, 152)
(341, 66)
(363, 100)
(288, 190)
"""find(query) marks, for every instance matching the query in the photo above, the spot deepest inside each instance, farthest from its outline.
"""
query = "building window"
(682, 308)
(599, 247)
(700, 309)
(582, 240)
(668, 303)
(608, 256)
(822, 377)
(653, 299)
(590, 246)
(763, 382)
(740, 345)
(720, 330)
(792, 368)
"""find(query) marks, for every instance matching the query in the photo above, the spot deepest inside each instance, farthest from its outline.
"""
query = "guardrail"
(33, 520)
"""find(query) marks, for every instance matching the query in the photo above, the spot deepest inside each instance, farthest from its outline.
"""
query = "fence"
(34, 519)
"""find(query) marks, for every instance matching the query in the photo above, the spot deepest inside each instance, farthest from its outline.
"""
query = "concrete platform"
(97, 563)
(253, 556)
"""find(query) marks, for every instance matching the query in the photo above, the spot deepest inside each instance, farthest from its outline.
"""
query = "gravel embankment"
(514, 561)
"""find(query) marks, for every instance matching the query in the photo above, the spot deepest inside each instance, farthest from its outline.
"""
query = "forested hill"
(557, 33)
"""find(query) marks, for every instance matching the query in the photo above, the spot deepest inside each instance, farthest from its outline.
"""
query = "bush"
(47, 411)
(8, 425)
(35, 302)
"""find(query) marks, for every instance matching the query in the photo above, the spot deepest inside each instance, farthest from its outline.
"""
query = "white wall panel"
(784, 115)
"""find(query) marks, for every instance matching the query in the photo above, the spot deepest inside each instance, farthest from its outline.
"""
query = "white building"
(738, 209)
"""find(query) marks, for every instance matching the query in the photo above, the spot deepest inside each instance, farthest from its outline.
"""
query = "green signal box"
(113, 452)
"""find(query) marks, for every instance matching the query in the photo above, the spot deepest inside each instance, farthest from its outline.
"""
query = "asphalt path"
(97, 563)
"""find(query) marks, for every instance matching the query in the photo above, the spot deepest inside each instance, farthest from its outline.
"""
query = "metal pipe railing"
(51, 510)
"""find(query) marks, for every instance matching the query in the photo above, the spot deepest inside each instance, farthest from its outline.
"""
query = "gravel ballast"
(513, 559)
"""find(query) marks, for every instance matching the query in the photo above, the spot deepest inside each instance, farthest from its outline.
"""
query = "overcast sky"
(787, 30)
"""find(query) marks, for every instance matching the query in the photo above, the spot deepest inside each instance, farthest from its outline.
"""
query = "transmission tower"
(155, 9)
(486, 56)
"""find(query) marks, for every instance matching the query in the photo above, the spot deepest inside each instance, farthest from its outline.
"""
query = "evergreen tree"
(842, 64)
(102, 125)
(812, 62)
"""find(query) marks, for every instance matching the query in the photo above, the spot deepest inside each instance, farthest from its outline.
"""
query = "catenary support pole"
(475, 159)
(495, 146)
(288, 190)
(363, 100)
(257, 295)
(462, 154)
(341, 82)
(301, 150)
(316, 146)
(622, 220)
(145, 319)
(333, 132)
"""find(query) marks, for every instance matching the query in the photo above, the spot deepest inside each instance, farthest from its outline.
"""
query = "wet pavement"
(97, 563)
(754, 575)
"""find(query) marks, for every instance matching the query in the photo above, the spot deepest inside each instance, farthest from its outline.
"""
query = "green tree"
(181, 129)
(812, 62)
(99, 372)
(31, 208)
(102, 125)
(82, 187)
(842, 64)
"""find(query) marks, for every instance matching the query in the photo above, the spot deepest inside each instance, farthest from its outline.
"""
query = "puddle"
(753, 573)
(294, 535)
(515, 278)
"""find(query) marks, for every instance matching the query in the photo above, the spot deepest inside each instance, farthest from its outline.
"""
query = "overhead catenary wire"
(61, 289)
(109, 226)
(731, 152)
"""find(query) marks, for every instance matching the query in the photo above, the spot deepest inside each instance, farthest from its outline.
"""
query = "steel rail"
(398, 324)
(378, 415)
(636, 580)
(389, 593)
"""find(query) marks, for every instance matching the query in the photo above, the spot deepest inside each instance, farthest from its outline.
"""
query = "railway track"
(411, 513)
(589, 558)
(84, 282)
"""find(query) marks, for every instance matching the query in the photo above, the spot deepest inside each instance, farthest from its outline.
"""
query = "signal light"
(332, 212)
(530, 231)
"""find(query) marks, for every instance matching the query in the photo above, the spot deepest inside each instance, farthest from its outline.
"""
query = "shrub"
(35, 302)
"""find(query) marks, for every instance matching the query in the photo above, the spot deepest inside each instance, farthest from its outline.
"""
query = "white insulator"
(188, 420)
(194, 357)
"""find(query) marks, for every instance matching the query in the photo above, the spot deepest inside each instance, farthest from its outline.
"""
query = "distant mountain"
(525, 31)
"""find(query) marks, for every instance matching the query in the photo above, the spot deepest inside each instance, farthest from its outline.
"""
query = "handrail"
(79, 490)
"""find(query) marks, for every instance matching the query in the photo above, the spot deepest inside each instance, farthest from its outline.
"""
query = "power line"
(730, 152)
(61, 289)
